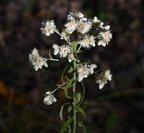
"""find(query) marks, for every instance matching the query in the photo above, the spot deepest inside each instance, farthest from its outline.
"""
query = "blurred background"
(117, 108)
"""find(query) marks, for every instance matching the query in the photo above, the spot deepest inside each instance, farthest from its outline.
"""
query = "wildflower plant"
(90, 33)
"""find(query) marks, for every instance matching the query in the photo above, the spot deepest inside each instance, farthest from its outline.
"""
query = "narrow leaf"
(77, 96)
(82, 94)
(61, 110)
(83, 126)
(62, 77)
(69, 84)
(70, 70)
(80, 110)
(65, 126)
(66, 93)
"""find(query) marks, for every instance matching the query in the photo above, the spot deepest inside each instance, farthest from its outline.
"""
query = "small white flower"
(91, 68)
(87, 41)
(49, 28)
(84, 26)
(83, 72)
(56, 49)
(78, 14)
(106, 37)
(64, 51)
(71, 26)
(98, 22)
(36, 60)
(70, 57)
(49, 98)
(75, 15)
(104, 78)
(65, 35)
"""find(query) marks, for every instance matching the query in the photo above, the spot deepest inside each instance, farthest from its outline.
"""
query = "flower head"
(36, 60)
(84, 26)
(75, 15)
(87, 41)
(71, 26)
(85, 70)
(91, 68)
(104, 78)
(65, 35)
(64, 51)
(49, 98)
(97, 22)
(49, 28)
(106, 37)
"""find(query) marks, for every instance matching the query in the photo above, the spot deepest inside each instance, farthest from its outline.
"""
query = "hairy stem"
(74, 101)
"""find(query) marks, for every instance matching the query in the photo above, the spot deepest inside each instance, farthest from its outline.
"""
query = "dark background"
(117, 108)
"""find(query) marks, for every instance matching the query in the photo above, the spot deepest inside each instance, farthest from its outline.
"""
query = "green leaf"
(66, 93)
(67, 78)
(77, 96)
(69, 84)
(62, 77)
(70, 70)
(83, 93)
(80, 51)
(65, 126)
(70, 107)
(61, 110)
(80, 110)
(83, 126)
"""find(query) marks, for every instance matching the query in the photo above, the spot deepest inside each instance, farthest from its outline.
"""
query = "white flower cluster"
(36, 60)
(76, 22)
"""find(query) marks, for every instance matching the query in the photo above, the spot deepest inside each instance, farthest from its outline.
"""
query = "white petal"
(47, 101)
(101, 85)
(95, 20)
(54, 99)
(80, 79)
(107, 27)
(98, 81)
(48, 92)
(36, 68)
(108, 75)
(101, 43)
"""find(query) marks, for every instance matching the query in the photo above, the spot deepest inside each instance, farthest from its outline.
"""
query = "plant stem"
(69, 127)
(74, 101)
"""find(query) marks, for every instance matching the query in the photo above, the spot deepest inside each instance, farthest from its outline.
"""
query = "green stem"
(69, 126)
(74, 101)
